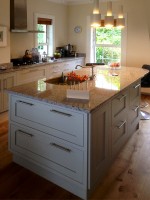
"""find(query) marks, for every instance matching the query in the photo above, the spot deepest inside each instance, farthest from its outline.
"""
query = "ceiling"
(73, 2)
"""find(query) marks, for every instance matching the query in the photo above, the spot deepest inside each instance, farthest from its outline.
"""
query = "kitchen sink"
(57, 81)
(62, 81)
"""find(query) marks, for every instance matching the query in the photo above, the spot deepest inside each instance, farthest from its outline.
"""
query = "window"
(107, 45)
(44, 40)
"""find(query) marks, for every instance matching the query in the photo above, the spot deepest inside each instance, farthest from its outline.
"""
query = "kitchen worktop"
(106, 84)
(8, 67)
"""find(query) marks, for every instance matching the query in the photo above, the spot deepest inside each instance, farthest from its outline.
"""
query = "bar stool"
(145, 82)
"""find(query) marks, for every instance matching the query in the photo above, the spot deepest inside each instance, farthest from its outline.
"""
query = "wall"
(4, 21)
(138, 28)
(22, 41)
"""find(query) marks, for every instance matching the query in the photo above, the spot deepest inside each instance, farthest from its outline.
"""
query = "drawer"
(55, 70)
(119, 134)
(119, 104)
(47, 151)
(135, 91)
(134, 111)
(66, 124)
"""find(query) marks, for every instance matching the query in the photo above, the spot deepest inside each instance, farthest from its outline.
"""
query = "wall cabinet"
(7, 80)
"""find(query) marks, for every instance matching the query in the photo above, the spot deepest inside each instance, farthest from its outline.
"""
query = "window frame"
(51, 43)
(95, 45)
(90, 46)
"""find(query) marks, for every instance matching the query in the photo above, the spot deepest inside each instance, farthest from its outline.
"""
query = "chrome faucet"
(93, 75)
(76, 67)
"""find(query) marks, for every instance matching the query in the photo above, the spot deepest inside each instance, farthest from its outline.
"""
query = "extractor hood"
(18, 17)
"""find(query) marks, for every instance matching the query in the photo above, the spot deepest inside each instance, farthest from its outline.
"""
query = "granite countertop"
(8, 67)
(106, 85)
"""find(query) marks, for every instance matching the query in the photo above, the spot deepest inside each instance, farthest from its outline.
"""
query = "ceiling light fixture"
(120, 22)
(108, 20)
(96, 16)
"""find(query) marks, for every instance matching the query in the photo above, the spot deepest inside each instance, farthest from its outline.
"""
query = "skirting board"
(58, 180)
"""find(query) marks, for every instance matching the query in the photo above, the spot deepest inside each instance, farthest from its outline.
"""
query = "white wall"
(138, 27)
(4, 21)
(22, 41)
(66, 18)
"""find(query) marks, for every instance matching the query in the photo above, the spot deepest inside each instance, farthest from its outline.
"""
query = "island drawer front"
(134, 111)
(119, 133)
(47, 151)
(119, 104)
(67, 124)
(135, 91)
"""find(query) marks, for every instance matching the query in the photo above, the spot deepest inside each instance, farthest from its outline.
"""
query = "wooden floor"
(127, 179)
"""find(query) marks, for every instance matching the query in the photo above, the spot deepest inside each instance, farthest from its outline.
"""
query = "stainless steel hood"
(18, 17)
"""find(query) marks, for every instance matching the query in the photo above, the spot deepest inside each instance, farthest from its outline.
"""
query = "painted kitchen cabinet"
(134, 107)
(56, 69)
(50, 140)
(30, 74)
(71, 148)
(99, 137)
(119, 121)
(7, 80)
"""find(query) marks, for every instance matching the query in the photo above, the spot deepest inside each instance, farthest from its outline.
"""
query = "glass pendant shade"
(120, 22)
(96, 7)
(109, 21)
(96, 20)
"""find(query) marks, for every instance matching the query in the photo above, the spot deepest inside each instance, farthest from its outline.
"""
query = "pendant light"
(109, 19)
(96, 16)
(120, 22)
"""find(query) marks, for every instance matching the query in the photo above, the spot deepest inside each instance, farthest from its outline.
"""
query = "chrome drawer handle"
(61, 113)
(135, 109)
(24, 133)
(119, 126)
(123, 96)
(61, 147)
(137, 86)
(23, 102)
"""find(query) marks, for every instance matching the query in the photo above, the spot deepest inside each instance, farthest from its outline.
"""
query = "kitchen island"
(72, 142)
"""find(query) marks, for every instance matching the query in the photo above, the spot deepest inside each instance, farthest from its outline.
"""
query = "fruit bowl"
(114, 65)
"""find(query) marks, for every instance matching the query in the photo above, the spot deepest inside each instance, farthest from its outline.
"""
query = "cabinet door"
(31, 74)
(54, 70)
(9, 80)
(100, 143)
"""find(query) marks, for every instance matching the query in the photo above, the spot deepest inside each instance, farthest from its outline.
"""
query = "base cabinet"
(7, 81)
(56, 69)
(99, 154)
(72, 148)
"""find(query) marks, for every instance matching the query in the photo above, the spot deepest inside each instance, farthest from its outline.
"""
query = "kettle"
(69, 47)
(28, 55)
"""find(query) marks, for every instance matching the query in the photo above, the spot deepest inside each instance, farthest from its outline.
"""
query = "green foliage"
(108, 45)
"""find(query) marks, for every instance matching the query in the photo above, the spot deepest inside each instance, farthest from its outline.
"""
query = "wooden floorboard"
(127, 179)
